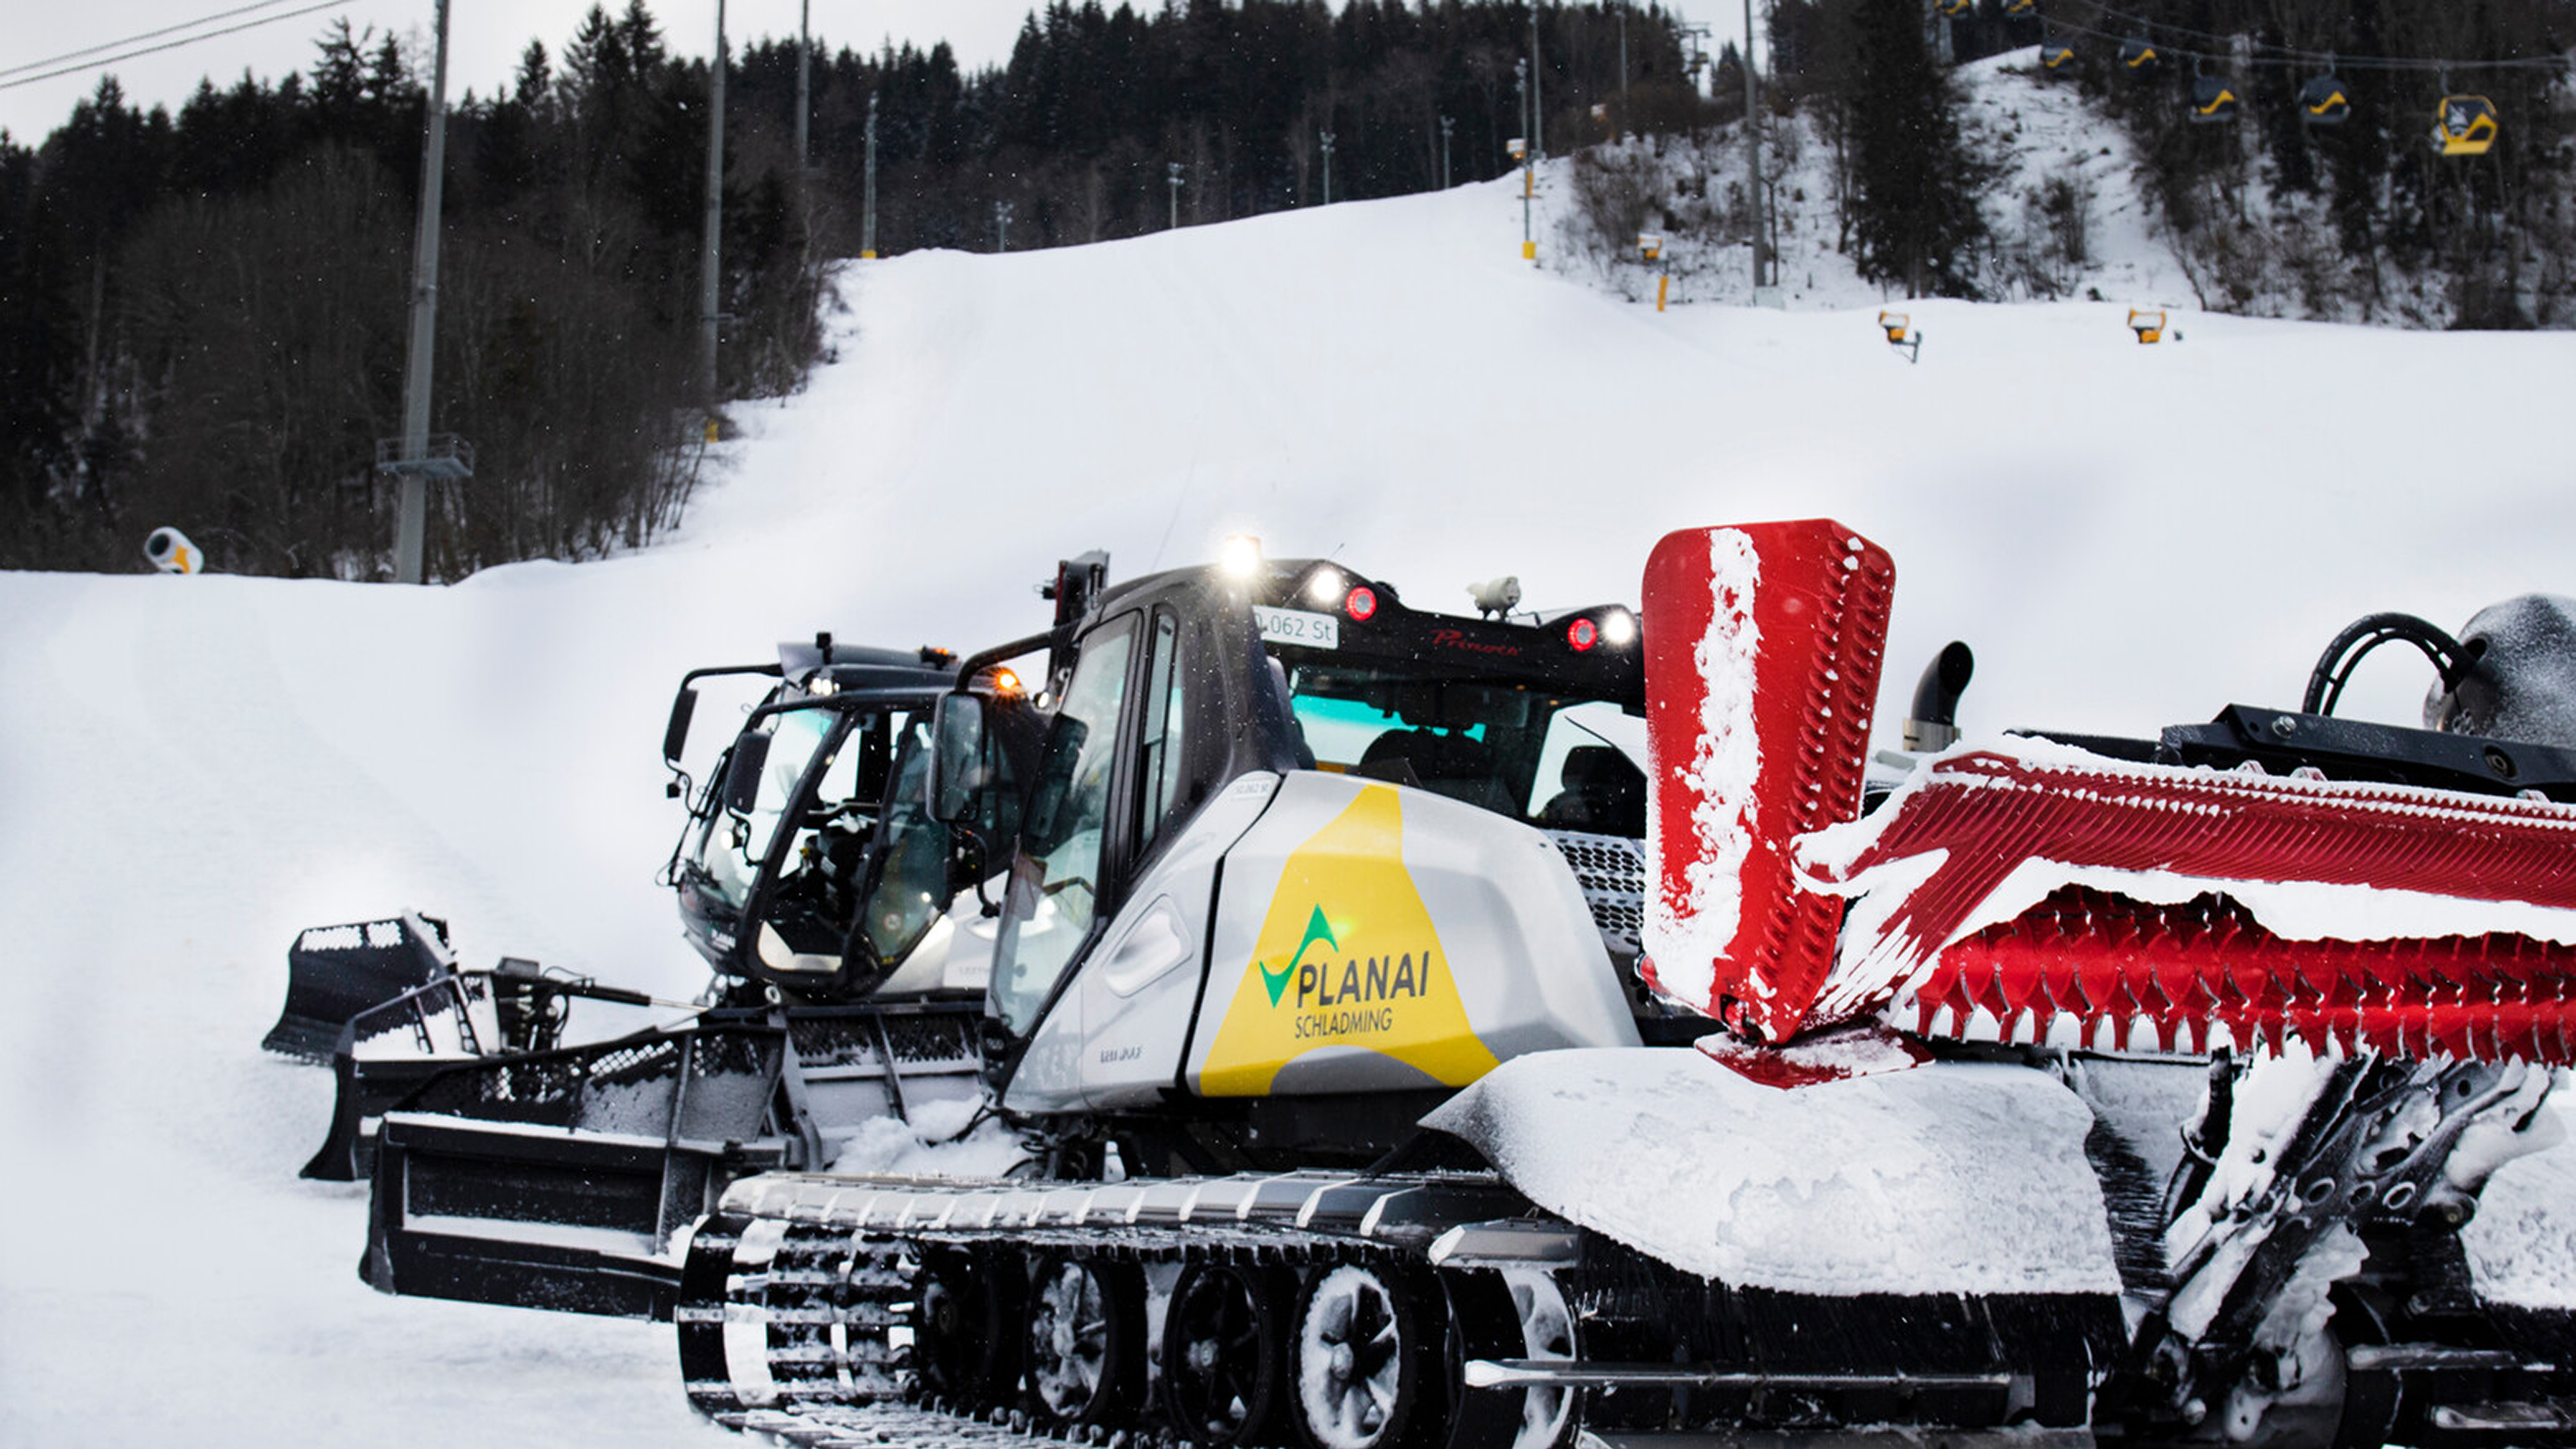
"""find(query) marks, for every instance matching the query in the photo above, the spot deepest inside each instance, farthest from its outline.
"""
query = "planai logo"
(1276, 982)
(1314, 981)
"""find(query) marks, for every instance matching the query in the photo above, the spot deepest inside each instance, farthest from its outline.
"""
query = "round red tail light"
(1582, 634)
(1360, 603)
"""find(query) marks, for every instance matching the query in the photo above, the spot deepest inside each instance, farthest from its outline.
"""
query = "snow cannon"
(172, 552)
(1763, 645)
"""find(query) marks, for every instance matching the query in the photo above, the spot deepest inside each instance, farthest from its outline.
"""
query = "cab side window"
(1159, 756)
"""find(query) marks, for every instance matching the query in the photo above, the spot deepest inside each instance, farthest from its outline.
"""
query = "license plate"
(1296, 626)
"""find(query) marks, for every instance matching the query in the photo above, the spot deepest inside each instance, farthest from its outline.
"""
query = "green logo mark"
(1316, 930)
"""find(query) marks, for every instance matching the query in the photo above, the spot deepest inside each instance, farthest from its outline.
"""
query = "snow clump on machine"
(1945, 1179)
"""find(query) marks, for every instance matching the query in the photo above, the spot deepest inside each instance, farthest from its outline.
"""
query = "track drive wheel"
(1085, 1339)
(963, 1347)
(2373, 1399)
(1225, 1357)
(1362, 1359)
(1547, 1332)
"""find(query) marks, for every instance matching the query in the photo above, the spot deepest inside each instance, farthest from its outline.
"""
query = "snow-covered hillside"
(2071, 211)
(2101, 240)
(193, 768)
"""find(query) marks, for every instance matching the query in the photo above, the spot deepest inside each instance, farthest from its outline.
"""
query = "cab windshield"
(1542, 757)
(731, 847)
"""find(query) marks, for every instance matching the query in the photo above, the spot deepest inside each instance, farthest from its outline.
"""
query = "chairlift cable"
(88, 50)
(171, 44)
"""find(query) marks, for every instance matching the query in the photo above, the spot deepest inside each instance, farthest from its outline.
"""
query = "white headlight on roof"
(1618, 628)
(1239, 556)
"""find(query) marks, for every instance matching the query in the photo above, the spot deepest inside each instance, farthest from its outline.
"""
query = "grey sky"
(486, 39)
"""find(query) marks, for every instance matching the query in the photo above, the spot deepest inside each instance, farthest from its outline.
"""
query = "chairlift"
(2020, 7)
(2464, 126)
(2149, 325)
(2137, 54)
(2055, 54)
(2212, 99)
(1954, 7)
(2322, 101)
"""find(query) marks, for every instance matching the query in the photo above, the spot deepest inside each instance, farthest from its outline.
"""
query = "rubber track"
(796, 1258)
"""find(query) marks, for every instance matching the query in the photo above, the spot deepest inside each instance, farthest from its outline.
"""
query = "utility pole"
(1328, 168)
(1623, 65)
(868, 217)
(1173, 179)
(805, 83)
(1528, 159)
(711, 248)
(1538, 123)
(1002, 225)
(1765, 274)
(1446, 122)
(412, 463)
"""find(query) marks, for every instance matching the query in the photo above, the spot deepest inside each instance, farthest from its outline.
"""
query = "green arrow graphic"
(1316, 930)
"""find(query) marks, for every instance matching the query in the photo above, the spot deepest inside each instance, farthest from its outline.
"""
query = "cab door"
(1066, 876)
(1097, 970)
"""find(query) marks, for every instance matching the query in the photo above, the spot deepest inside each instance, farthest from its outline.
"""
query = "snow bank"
(1947, 1178)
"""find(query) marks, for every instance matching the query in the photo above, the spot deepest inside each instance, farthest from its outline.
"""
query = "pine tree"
(1915, 214)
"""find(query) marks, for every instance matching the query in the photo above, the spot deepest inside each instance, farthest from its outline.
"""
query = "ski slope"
(194, 768)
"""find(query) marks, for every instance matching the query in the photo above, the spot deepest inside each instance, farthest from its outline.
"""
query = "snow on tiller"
(2036, 891)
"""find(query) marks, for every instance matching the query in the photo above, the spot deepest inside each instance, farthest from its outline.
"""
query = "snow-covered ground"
(194, 768)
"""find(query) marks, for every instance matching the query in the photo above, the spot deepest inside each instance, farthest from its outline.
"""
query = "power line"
(171, 44)
(85, 50)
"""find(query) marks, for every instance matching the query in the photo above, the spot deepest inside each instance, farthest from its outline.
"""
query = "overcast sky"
(484, 46)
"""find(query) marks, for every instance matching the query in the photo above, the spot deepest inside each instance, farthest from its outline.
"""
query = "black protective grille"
(560, 1088)
(941, 1038)
(913, 1036)
(1611, 869)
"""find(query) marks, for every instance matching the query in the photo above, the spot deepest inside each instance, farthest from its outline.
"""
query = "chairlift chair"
(2055, 53)
(1955, 7)
(2020, 7)
(2150, 326)
(2137, 54)
(2465, 126)
(2212, 99)
(2323, 103)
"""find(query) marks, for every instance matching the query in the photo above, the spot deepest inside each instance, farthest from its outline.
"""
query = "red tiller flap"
(1762, 644)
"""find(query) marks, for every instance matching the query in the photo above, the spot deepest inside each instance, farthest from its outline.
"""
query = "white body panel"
(1114, 1038)
(1519, 944)
(1139, 991)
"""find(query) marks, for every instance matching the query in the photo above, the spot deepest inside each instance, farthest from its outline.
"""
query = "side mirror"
(956, 751)
(742, 777)
(676, 733)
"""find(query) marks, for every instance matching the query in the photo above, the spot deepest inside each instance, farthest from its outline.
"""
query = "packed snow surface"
(1951, 1178)
(196, 768)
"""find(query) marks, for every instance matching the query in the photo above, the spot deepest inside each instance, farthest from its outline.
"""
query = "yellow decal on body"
(1347, 956)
